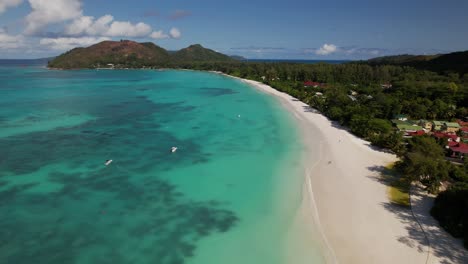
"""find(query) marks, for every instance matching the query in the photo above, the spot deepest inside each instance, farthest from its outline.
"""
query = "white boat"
(173, 149)
(108, 162)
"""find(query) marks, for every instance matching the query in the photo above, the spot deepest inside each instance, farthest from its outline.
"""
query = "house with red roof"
(313, 84)
(462, 123)
(416, 133)
(448, 136)
(464, 130)
(459, 151)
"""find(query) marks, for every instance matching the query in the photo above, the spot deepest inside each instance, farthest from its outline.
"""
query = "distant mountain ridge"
(451, 62)
(131, 54)
(197, 53)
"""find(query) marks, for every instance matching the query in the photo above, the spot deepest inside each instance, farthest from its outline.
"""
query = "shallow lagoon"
(228, 195)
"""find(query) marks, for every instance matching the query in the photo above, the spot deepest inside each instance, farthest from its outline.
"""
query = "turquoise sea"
(228, 195)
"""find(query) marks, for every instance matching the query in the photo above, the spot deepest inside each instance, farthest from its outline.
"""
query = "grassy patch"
(398, 187)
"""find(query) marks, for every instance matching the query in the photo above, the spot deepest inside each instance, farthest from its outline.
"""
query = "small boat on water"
(173, 149)
(108, 162)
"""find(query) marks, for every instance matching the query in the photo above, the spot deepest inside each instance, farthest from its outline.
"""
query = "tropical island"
(130, 54)
(414, 107)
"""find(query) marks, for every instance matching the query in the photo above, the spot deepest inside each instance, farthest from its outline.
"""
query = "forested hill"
(131, 54)
(197, 53)
(456, 62)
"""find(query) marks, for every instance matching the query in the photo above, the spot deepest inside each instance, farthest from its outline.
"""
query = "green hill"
(453, 62)
(197, 53)
(120, 53)
(131, 54)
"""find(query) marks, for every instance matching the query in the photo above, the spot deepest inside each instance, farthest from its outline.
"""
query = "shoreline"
(343, 196)
(346, 199)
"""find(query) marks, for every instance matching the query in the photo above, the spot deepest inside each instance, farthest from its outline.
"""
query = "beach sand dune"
(347, 200)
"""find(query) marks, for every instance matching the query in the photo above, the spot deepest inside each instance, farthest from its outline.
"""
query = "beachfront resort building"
(450, 137)
(451, 127)
(458, 150)
(313, 84)
(409, 129)
(462, 123)
(427, 125)
(437, 125)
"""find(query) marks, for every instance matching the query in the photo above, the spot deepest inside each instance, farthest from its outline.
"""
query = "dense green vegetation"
(197, 53)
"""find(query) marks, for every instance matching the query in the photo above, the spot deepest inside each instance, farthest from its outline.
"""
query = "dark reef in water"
(69, 223)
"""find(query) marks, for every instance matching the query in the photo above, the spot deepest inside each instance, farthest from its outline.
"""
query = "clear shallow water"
(228, 195)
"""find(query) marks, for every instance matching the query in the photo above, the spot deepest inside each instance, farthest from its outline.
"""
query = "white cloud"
(106, 26)
(79, 25)
(69, 43)
(326, 49)
(5, 4)
(159, 35)
(100, 27)
(10, 41)
(45, 12)
(175, 33)
(127, 29)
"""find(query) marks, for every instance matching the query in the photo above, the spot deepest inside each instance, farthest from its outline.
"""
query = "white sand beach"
(347, 201)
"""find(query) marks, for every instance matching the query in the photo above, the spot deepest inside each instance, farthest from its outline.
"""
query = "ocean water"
(228, 195)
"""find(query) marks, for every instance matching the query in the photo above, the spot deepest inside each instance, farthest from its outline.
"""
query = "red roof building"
(460, 150)
(313, 84)
(451, 136)
(416, 133)
(462, 123)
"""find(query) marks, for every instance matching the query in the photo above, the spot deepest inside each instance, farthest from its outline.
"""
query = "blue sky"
(294, 29)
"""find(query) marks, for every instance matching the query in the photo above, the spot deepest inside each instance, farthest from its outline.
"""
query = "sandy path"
(443, 247)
